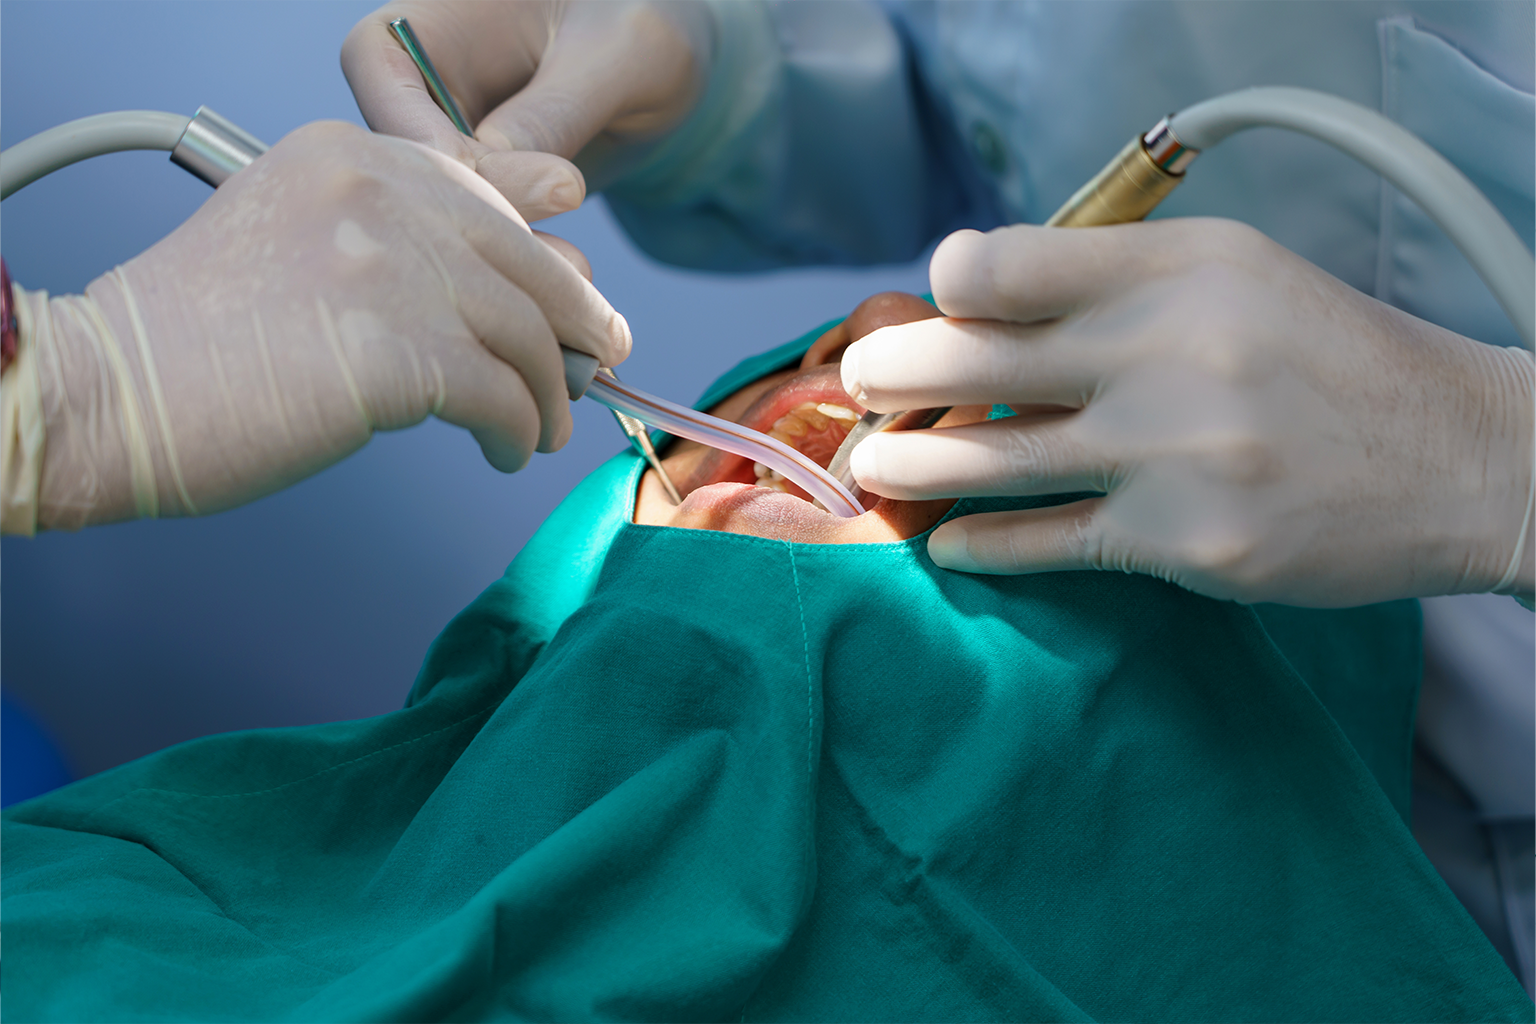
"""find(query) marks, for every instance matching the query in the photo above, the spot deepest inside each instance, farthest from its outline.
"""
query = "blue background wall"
(318, 603)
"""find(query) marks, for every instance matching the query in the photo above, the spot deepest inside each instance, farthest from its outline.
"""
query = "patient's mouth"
(810, 412)
(805, 409)
(813, 428)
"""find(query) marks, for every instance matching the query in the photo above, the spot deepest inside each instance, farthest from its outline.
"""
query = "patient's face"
(808, 409)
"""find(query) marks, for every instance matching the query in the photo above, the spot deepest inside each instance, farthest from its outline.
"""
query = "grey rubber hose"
(1420, 173)
(79, 140)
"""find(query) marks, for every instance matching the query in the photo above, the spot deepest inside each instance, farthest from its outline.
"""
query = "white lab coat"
(851, 133)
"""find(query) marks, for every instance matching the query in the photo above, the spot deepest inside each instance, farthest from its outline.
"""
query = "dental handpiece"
(634, 409)
(1128, 188)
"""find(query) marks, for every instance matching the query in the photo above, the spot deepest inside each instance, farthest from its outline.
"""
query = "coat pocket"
(1487, 128)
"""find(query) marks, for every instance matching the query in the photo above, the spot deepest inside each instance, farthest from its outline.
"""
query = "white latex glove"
(343, 283)
(538, 81)
(1261, 431)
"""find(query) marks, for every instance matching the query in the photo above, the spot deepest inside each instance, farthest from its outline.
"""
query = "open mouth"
(805, 409)
(810, 412)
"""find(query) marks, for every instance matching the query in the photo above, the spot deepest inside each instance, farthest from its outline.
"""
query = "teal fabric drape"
(677, 775)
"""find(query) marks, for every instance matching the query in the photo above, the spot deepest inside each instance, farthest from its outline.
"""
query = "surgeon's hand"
(537, 80)
(343, 283)
(1259, 430)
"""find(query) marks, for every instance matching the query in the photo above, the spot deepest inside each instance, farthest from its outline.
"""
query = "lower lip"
(758, 502)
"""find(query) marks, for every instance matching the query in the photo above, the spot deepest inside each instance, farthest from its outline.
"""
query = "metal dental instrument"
(1129, 187)
(633, 428)
(402, 30)
(640, 437)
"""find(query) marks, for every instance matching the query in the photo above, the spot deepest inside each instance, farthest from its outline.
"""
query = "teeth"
(790, 425)
(793, 426)
(813, 417)
(767, 477)
(809, 416)
(838, 412)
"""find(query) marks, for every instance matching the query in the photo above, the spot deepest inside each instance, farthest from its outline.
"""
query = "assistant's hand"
(1260, 430)
(537, 80)
(343, 283)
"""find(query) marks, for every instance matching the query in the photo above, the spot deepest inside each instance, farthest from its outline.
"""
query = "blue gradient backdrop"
(318, 603)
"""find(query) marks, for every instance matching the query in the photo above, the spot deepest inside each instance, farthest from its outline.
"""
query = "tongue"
(821, 445)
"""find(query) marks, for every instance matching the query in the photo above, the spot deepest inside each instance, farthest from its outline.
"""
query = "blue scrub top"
(856, 133)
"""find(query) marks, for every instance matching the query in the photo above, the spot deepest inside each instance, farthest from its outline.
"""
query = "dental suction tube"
(1423, 175)
(795, 466)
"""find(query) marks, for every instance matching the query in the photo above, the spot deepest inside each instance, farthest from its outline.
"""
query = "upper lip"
(819, 384)
(822, 384)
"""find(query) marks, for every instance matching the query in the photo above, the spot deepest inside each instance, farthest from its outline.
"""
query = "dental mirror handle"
(580, 368)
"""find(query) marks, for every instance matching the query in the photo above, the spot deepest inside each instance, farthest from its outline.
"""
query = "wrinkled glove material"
(666, 774)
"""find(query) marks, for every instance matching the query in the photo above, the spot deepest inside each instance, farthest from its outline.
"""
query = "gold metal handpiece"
(1129, 187)
(1139, 177)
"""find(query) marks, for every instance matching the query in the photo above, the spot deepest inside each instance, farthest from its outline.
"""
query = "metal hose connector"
(214, 147)
(1130, 187)
(210, 146)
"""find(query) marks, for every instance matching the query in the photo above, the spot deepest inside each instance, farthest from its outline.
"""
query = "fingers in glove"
(581, 318)
(623, 68)
(579, 315)
(394, 99)
(491, 400)
(941, 362)
(513, 328)
(539, 185)
(1028, 540)
(1026, 274)
(572, 255)
(1083, 535)
(389, 88)
(1038, 455)
(549, 116)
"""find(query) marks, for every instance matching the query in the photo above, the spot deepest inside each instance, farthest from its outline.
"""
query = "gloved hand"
(343, 283)
(534, 79)
(1260, 431)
